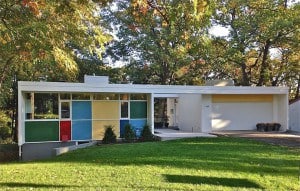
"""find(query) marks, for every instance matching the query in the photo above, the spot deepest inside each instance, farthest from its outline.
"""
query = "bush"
(5, 130)
(146, 134)
(129, 135)
(109, 135)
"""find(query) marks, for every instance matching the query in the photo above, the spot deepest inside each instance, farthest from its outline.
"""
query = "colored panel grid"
(106, 110)
(219, 98)
(65, 130)
(81, 110)
(99, 127)
(122, 127)
(137, 125)
(36, 131)
(138, 109)
(82, 130)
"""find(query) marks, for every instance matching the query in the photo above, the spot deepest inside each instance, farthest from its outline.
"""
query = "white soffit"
(140, 88)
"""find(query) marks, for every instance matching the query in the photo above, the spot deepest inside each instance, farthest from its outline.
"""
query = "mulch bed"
(9, 152)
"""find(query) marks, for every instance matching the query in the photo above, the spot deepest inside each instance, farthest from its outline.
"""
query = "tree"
(162, 35)
(256, 29)
(39, 38)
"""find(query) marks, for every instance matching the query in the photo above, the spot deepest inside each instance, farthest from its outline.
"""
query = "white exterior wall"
(206, 107)
(280, 111)
(294, 116)
(240, 116)
(190, 112)
(21, 119)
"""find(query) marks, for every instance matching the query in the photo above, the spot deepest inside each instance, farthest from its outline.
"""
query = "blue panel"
(81, 110)
(82, 130)
(137, 125)
(122, 127)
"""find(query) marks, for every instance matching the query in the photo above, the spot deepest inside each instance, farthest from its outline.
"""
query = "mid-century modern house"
(59, 113)
(294, 114)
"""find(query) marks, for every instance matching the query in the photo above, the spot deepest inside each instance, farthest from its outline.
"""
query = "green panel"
(36, 131)
(138, 109)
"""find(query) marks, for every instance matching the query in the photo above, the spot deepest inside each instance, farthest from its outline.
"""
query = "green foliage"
(256, 29)
(129, 134)
(5, 129)
(165, 36)
(38, 38)
(109, 135)
(146, 134)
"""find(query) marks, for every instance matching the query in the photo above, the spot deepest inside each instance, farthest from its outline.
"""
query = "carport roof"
(25, 86)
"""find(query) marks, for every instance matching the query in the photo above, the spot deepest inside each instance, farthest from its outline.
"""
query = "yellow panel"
(106, 110)
(219, 98)
(99, 127)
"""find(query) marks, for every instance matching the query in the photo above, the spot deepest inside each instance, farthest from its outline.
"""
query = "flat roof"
(26, 86)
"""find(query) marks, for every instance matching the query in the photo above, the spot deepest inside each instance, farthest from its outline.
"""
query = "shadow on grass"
(32, 185)
(230, 182)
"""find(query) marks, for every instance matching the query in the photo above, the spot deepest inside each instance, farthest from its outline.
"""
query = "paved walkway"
(290, 139)
(170, 134)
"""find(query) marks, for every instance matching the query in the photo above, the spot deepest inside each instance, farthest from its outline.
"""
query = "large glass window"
(138, 97)
(29, 107)
(65, 110)
(65, 96)
(45, 106)
(124, 97)
(124, 109)
(81, 96)
(106, 96)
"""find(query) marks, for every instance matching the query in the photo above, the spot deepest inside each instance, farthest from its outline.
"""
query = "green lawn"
(189, 164)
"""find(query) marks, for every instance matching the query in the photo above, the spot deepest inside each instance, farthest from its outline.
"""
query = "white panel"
(240, 116)
(294, 116)
(190, 112)
(206, 113)
(283, 111)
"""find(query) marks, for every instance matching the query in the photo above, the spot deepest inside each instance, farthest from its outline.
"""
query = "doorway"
(166, 112)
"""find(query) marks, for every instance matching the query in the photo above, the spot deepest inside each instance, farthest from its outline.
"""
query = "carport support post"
(152, 112)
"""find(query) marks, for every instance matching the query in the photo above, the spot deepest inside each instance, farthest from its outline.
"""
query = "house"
(294, 115)
(55, 114)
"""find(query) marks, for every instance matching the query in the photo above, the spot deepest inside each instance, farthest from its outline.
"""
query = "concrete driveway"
(290, 139)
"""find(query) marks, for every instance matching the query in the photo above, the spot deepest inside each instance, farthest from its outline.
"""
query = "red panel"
(65, 130)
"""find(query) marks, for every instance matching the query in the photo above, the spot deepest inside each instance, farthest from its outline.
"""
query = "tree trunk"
(245, 78)
(264, 64)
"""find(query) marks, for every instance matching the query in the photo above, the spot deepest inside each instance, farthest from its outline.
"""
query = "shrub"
(129, 135)
(146, 134)
(109, 135)
(5, 130)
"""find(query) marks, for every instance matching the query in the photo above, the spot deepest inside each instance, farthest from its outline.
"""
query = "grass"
(188, 164)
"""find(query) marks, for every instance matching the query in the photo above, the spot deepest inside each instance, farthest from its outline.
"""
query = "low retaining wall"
(34, 151)
(62, 150)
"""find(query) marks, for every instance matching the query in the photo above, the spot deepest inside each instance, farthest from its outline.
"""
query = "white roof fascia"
(141, 88)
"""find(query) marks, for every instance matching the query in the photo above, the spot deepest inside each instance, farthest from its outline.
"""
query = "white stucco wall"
(206, 108)
(294, 116)
(280, 108)
(240, 116)
(190, 112)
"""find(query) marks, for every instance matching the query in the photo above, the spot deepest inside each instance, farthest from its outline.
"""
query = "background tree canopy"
(158, 42)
